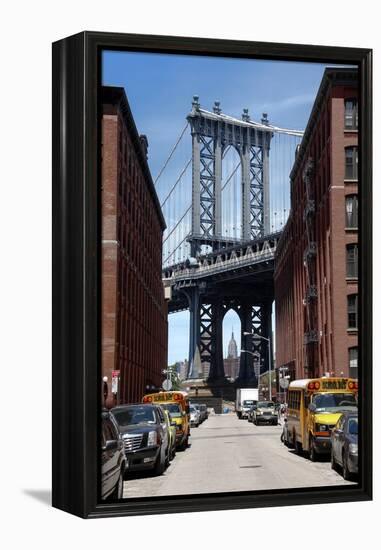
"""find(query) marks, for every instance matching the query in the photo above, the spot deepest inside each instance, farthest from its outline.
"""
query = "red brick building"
(134, 313)
(316, 265)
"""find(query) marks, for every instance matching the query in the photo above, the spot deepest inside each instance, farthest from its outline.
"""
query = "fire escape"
(311, 335)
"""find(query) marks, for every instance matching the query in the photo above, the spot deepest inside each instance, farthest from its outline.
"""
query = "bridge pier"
(195, 368)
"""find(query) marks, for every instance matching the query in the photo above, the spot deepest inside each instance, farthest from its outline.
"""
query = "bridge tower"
(212, 132)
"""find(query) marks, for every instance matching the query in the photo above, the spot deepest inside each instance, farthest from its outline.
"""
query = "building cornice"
(114, 99)
(345, 76)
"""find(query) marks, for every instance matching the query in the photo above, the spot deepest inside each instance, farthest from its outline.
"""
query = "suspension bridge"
(225, 195)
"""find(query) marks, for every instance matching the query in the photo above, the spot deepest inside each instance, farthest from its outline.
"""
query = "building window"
(351, 163)
(353, 362)
(351, 114)
(352, 311)
(352, 261)
(351, 211)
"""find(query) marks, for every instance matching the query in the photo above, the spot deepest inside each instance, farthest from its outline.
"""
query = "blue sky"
(160, 88)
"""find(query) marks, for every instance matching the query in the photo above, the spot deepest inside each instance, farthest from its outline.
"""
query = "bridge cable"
(173, 251)
(180, 220)
(171, 153)
(177, 181)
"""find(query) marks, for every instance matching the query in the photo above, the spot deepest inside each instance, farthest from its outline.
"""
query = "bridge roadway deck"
(227, 454)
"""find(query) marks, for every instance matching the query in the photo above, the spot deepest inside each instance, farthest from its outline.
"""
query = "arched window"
(350, 114)
(352, 261)
(351, 211)
(351, 163)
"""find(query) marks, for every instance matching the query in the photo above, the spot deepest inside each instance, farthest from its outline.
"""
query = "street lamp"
(269, 350)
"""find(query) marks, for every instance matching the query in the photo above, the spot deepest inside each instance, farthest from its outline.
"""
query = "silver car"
(344, 444)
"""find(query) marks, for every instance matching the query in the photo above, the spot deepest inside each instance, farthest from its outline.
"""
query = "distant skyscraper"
(231, 363)
(232, 348)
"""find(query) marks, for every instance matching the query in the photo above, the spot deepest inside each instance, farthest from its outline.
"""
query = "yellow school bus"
(313, 408)
(177, 404)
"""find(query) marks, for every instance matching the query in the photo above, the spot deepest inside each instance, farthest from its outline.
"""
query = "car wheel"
(312, 451)
(159, 465)
(184, 444)
(167, 457)
(346, 473)
(297, 445)
(117, 493)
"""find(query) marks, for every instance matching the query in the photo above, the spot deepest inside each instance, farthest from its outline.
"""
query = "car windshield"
(265, 404)
(173, 409)
(135, 415)
(332, 402)
(353, 426)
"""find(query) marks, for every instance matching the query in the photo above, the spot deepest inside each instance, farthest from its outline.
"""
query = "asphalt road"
(227, 454)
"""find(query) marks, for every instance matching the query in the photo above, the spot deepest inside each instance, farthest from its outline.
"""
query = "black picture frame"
(76, 272)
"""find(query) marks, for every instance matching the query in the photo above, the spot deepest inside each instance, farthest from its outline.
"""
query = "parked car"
(247, 404)
(250, 414)
(145, 435)
(265, 413)
(194, 416)
(344, 444)
(172, 434)
(203, 409)
(113, 458)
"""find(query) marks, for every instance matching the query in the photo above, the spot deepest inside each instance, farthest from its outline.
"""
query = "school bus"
(313, 408)
(177, 404)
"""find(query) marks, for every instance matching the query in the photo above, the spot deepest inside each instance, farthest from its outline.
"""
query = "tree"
(174, 377)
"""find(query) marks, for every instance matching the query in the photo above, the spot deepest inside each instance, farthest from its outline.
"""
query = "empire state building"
(231, 363)
(232, 348)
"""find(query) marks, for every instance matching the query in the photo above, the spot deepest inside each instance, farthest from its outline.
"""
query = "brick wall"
(324, 145)
(134, 316)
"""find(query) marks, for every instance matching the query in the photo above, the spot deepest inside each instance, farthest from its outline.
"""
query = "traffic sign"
(167, 384)
(284, 382)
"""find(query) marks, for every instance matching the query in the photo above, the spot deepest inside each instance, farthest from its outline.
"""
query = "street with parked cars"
(309, 441)
(226, 454)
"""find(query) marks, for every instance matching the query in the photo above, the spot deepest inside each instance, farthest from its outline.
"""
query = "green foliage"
(174, 377)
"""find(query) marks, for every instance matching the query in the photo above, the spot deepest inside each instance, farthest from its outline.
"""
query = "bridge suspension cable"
(180, 220)
(175, 250)
(171, 153)
(177, 181)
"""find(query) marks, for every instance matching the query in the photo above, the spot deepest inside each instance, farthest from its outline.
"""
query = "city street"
(227, 454)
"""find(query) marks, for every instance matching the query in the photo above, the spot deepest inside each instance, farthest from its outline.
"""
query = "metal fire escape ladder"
(311, 336)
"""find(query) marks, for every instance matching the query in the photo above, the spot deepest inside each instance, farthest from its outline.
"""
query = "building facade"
(316, 264)
(134, 312)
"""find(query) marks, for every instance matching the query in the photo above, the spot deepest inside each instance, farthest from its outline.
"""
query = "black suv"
(145, 436)
(112, 457)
